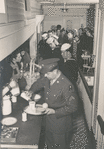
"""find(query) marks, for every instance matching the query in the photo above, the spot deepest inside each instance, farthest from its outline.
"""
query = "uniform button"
(46, 98)
(47, 92)
(57, 81)
(62, 78)
(54, 95)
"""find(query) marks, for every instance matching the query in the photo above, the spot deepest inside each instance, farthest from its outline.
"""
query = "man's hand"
(28, 93)
(50, 111)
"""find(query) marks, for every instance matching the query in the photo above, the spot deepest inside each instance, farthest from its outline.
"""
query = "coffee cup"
(32, 105)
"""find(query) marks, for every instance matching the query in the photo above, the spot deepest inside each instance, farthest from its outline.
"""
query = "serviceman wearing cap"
(61, 98)
(65, 51)
(68, 38)
(44, 50)
(70, 66)
(56, 53)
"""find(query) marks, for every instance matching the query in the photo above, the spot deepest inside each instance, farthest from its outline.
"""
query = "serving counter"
(85, 95)
(29, 131)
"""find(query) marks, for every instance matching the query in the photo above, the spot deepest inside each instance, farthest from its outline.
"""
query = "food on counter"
(45, 105)
(37, 96)
(9, 134)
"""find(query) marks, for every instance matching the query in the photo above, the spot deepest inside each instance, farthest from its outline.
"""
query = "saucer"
(39, 110)
(9, 121)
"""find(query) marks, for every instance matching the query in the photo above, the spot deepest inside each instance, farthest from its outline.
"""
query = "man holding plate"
(62, 102)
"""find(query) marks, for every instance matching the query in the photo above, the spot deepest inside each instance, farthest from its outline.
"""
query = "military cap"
(48, 65)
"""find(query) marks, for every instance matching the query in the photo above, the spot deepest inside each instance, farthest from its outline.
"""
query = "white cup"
(32, 105)
(14, 99)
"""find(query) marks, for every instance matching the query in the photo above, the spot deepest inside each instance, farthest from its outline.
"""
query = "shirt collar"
(52, 81)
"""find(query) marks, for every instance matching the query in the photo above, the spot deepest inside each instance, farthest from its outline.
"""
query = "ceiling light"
(64, 9)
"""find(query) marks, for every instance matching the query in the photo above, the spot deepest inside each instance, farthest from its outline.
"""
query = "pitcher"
(7, 106)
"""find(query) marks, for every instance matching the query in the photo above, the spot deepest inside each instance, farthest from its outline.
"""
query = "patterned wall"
(54, 16)
(56, 11)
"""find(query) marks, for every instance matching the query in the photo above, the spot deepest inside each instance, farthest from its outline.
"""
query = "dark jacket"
(26, 60)
(70, 70)
(44, 50)
(61, 96)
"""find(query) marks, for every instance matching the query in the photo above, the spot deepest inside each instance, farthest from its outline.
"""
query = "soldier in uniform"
(62, 100)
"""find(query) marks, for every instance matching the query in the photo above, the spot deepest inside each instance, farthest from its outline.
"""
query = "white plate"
(39, 110)
(9, 121)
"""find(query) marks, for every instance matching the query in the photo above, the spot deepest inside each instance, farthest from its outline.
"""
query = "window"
(2, 6)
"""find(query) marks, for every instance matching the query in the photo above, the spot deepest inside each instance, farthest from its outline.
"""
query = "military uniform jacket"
(61, 97)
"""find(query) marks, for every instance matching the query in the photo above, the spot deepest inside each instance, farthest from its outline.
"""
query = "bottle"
(24, 116)
(7, 105)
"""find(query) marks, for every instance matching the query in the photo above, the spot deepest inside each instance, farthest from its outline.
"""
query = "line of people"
(56, 43)
(80, 41)
(59, 44)
(59, 92)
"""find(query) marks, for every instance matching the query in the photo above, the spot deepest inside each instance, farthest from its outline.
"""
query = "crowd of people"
(58, 74)
(67, 45)
(54, 44)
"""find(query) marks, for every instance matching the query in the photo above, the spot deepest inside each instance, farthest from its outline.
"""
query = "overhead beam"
(11, 42)
(77, 1)
(71, 1)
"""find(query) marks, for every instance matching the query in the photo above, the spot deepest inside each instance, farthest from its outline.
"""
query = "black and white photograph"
(52, 74)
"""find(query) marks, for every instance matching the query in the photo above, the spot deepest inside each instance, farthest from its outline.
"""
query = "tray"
(39, 110)
(9, 134)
